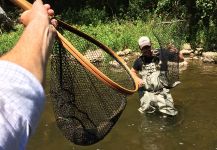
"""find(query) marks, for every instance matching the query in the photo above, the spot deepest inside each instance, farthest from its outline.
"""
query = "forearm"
(136, 76)
(181, 57)
(138, 79)
(31, 51)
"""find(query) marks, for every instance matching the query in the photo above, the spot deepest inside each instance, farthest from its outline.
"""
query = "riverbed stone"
(209, 57)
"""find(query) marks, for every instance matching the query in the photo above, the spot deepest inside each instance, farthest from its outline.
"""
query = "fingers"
(39, 10)
(140, 83)
(24, 18)
(52, 30)
(54, 22)
(49, 10)
(47, 6)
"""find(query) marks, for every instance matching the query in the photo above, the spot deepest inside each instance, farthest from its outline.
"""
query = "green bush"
(117, 34)
(120, 34)
(8, 40)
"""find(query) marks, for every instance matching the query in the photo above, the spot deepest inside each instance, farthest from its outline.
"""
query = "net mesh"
(86, 108)
(170, 36)
(99, 55)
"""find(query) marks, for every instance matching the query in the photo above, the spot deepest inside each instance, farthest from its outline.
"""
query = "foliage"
(120, 34)
(169, 32)
(88, 15)
(7, 40)
(168, 9)
(199, 16)
(208, 23)
(210, 44)
(206, 7)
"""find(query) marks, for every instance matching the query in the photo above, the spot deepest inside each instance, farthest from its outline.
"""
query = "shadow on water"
(194, 128)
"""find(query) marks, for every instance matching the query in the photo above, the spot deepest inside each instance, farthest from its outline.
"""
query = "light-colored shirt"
(21, 103)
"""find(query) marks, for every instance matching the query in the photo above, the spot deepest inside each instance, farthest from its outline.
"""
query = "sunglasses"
(146, 48)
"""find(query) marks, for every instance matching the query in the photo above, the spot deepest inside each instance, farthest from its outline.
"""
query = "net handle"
(86, 63)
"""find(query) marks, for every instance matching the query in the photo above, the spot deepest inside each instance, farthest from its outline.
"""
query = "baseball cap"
(144, 41)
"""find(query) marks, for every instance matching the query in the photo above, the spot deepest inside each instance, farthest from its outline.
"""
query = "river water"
(195, 128)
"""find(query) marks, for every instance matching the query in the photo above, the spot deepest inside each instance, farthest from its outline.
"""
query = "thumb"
(24, 18)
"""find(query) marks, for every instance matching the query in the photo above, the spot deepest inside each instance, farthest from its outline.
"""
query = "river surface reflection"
(194, 128)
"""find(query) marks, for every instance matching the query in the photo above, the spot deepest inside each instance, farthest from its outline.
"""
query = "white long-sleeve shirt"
(21, 103)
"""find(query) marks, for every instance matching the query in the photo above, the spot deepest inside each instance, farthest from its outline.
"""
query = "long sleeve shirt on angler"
(21, 104)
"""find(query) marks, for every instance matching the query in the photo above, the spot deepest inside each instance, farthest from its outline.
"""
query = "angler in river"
(151, 73)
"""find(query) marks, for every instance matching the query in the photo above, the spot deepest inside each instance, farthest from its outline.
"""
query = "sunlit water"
(194, 128)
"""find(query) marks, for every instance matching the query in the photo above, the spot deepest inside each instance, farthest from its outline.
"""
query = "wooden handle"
(25, 5)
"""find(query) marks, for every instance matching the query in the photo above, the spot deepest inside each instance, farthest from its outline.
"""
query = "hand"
(38, 12)
(140, 82)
